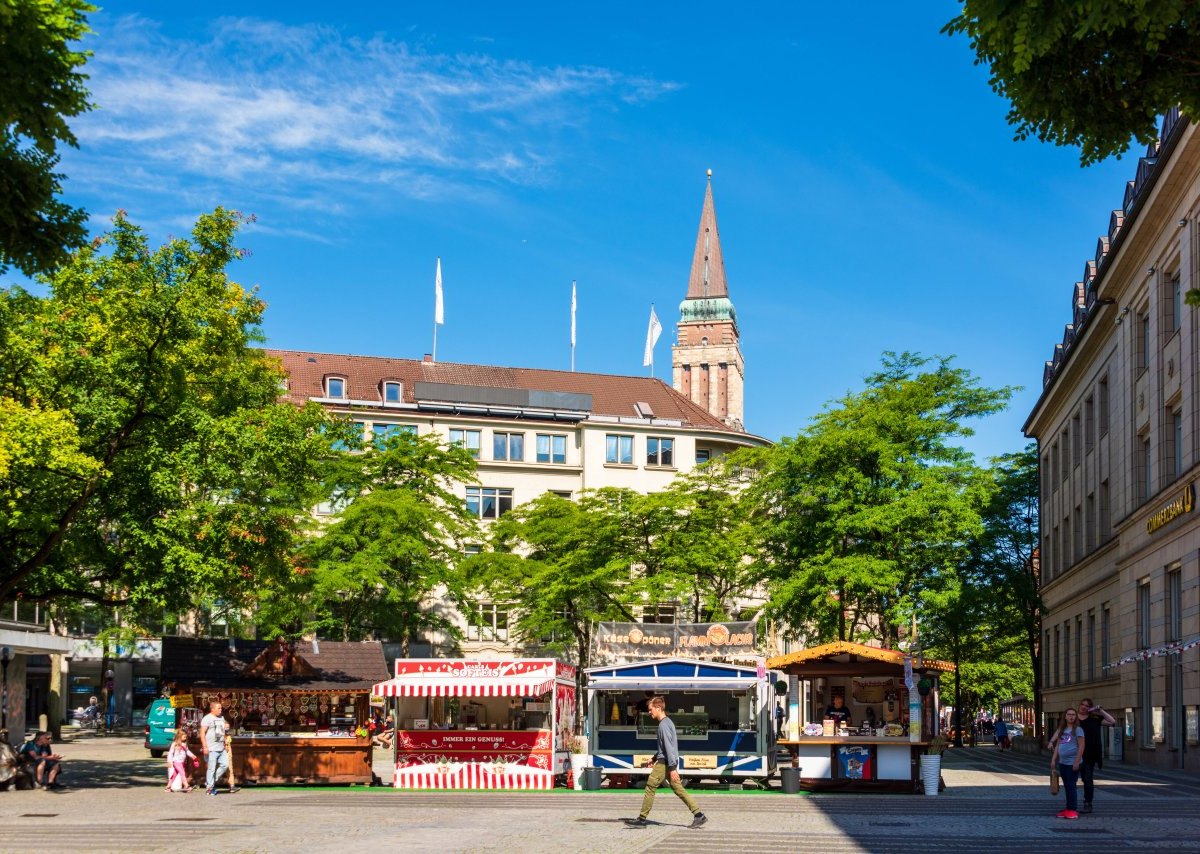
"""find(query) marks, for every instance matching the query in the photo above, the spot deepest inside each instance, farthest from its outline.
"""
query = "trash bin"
(591, 778)
(790, 777)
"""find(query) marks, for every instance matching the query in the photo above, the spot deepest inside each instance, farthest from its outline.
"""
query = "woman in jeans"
(1068, 751)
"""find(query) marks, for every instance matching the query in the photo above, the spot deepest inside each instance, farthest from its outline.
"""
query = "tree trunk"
(958, 740)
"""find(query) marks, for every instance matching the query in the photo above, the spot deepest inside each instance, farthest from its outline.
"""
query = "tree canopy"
(41, 86)
(861, 509)
(1094, 74)
(145, 455)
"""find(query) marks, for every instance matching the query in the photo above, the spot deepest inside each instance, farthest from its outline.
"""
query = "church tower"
(707, 359)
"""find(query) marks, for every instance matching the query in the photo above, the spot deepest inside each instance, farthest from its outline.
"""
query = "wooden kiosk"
(297, 712)
(880, 748)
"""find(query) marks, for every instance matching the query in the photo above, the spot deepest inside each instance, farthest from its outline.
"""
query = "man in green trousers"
(666, 765)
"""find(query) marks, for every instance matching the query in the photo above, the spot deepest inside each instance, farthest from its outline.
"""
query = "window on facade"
(561, 493)
(335, 387)
(1077, 535)
(1065, 440)
(1057, 657)
(1175, 310)
(1145, 469)
(659, 612)
(1056, 553)
(618, 449)
(660, 451)
(1066, 636)
(703, 455)
(1047, 660)
(551, 448)
(336, 503)
(1105, 629)
(355, 441)
(1176, 444)
(1142, 344)
(488, 502)
(382, 432)
(1102, 406)
(1091, 646)
(1076, 440)
(1143, 667)
(1089, 423)
(1079, 649)
(1044, 469)
(1174, 669)
(508, 446)
(468, 439)
(488, 621)
(1104, 515)
(391, 392)
(1089, 523)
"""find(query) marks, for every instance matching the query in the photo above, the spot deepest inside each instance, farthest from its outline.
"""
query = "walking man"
(1091, 720)
(666, 766)
(212, 742)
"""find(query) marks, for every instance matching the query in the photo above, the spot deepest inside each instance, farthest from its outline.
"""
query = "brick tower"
(707, 358)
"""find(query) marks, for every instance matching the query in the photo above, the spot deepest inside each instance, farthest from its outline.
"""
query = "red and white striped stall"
(462, 724)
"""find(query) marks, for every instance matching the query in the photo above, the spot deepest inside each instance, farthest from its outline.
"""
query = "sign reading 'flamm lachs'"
(688, 640)
(1182, 503)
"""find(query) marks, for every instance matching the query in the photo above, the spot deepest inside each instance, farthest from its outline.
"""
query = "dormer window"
(335, 387)
(392, 391)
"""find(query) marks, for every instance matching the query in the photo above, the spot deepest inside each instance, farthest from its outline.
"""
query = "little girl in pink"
(177, 757)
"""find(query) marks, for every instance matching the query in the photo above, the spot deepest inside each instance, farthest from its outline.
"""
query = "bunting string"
(1172, 648)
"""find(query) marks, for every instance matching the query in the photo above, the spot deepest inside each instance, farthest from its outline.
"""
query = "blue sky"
(869, 191)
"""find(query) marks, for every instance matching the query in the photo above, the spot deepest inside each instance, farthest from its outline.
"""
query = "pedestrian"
(779, 715)
(1001, 732)
(41, 761)
(212, 742)
(1091, 720)
(665, 766)
(1068, 753)
(177, 758)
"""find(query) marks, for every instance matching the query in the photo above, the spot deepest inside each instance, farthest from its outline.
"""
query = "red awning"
(513, 686)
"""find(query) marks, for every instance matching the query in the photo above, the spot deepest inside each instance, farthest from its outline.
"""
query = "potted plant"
(931, 764)
(579, 760)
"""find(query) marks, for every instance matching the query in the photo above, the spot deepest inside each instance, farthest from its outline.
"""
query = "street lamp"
(5, 658)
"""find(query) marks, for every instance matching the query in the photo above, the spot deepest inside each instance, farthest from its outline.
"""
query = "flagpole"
(652, 345)
(438, 315)
(435, 340)
(572, 326)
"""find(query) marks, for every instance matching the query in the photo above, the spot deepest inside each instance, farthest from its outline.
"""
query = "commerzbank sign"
(1182, 503)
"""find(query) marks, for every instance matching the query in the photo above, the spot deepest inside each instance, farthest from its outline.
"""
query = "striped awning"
(512, 686)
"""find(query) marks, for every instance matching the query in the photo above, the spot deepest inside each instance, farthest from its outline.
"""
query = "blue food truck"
(722, 713)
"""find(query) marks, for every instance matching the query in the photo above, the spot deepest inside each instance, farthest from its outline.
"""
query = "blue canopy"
(680, 674)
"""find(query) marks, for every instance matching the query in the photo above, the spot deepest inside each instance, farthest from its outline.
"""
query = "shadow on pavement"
(122, 773)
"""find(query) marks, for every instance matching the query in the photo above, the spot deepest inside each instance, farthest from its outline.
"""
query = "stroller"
(89, 718)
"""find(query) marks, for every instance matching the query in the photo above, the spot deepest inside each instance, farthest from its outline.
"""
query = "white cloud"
(303, 116)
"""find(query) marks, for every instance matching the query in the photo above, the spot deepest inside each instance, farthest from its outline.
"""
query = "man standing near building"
(666, 766)
(212, 742)
(1091, 720)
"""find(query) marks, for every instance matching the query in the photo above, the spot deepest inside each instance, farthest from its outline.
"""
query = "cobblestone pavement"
(993, 803)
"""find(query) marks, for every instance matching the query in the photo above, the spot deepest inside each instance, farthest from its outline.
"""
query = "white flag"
(652, 334)
(439, 315)
(572, 314)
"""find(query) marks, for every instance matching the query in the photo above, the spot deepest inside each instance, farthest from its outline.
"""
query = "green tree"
(41, 86)
(695, 541)
(1087, 74)
(393, 547)
(145, 457)
(859, 510)
(563, 565)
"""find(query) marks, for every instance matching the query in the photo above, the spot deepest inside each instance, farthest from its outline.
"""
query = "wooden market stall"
(297, 712)
(880, 745)
(464, 724)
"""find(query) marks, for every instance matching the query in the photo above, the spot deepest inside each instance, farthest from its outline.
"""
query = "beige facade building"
(534, 431)
(1118, 432)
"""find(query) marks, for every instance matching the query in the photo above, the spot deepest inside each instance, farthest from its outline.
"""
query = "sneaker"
(640, 821)
(698, 819)
(1061, 814)
(1087, 807)
(233, 790)
(210, 791)
(1070, 814)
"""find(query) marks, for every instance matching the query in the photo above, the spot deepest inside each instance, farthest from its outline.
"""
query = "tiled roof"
(219, 663)
(612, 395)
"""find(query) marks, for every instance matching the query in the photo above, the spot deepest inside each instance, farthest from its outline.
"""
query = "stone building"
(1116, 427)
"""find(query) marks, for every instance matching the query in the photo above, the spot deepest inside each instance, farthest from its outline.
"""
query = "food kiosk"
(297, 711)
(880, 746)
(464, 724)
(722, 714)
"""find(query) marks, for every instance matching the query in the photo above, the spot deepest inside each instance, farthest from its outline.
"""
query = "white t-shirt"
(214, 727)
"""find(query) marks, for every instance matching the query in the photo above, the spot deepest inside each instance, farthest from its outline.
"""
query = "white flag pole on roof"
(572, 326)
(439, 315)
(652, 333)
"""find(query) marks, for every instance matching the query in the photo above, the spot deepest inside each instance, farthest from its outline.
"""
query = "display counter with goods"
(500, 724)
(858, 729)
(295, 712)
